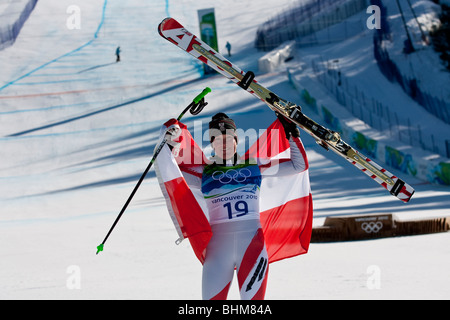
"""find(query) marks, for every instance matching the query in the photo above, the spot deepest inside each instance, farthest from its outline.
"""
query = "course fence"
(306, 18)
(435, 105)
(377, 114)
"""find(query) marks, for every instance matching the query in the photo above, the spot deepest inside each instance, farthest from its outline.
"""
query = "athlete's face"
(224, 146)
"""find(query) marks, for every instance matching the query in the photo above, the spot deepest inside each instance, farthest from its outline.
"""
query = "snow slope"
(77, 130)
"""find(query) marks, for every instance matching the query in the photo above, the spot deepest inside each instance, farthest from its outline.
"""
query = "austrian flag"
(286, 210)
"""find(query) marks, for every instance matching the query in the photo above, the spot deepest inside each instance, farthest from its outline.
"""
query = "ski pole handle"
(201, 95)
(197, 105)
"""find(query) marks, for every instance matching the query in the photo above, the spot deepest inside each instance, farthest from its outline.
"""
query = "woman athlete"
(230, 186)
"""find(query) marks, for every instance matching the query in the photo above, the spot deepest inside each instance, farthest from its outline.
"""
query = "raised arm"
(298, 161)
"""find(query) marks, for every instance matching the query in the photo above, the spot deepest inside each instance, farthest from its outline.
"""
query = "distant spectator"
(228, 46)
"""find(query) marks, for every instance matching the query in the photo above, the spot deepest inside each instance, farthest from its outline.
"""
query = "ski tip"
(168, 24)
(165, 20)
(161, 26)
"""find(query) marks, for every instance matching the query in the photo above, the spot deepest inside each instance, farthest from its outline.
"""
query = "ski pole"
(195, 107)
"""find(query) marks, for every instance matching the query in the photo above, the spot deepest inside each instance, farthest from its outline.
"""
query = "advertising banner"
(208, 31)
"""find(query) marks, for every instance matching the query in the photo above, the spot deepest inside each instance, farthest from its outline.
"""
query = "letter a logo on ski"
(176, 33)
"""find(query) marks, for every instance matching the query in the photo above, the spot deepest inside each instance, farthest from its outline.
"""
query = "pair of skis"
(174, 32)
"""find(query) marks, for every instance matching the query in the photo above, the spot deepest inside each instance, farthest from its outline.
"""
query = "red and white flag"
(285, 202)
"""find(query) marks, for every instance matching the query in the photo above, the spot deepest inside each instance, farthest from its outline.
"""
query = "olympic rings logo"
(372, 227)
(232, 175)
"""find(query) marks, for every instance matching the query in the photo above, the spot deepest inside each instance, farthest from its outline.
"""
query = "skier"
(117, 54)
(230, 187)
